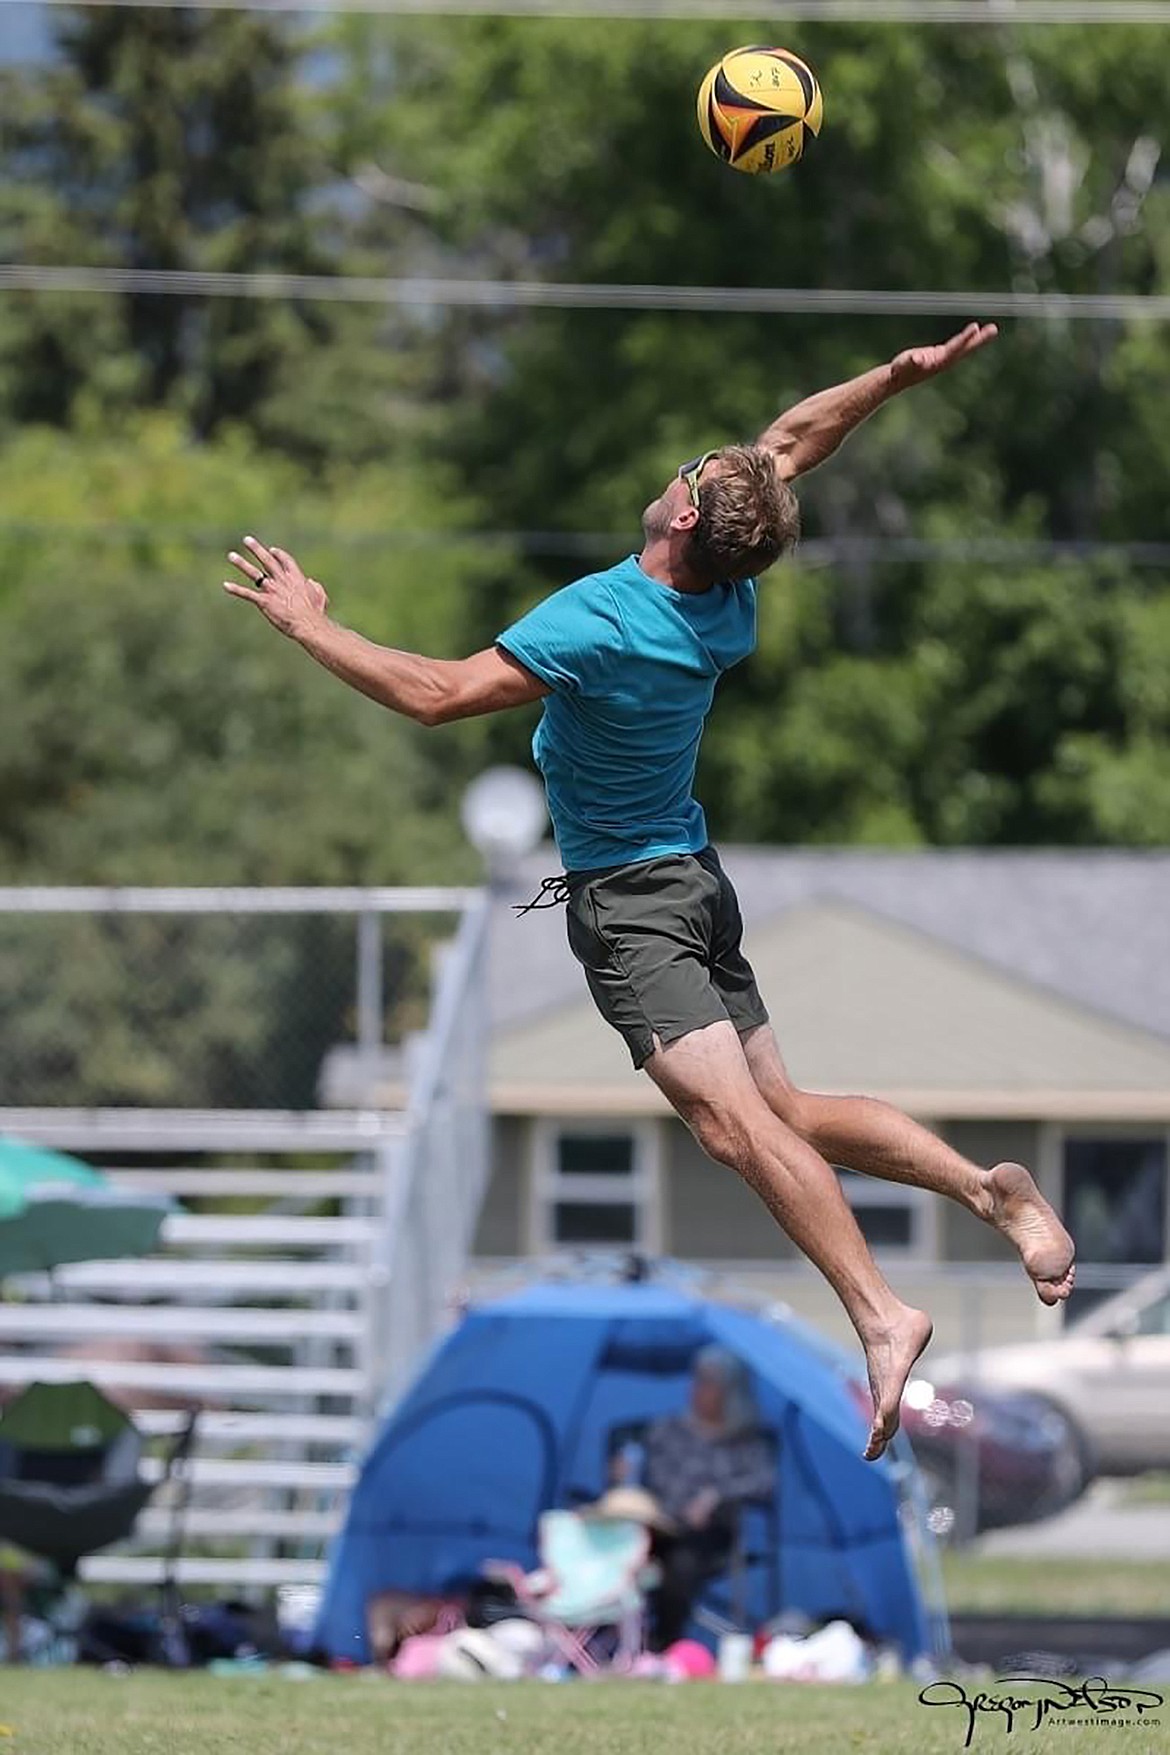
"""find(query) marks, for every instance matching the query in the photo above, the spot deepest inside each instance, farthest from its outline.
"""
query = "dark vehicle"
(987, 1458)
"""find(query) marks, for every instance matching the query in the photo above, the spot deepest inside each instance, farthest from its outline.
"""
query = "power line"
(995, 12)
(506, 295)
(815, 551)
(1020, 550)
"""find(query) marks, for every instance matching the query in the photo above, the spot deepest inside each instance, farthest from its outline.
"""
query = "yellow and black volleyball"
(758, 107)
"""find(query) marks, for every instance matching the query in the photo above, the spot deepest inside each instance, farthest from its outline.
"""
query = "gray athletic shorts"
(660, 944)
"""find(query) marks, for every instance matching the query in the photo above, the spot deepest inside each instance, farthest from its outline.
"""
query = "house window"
(1115, 1204)
(595, 1186)
(894, 1218)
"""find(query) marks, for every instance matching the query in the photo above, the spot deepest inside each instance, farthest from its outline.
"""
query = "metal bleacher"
(291, 1324)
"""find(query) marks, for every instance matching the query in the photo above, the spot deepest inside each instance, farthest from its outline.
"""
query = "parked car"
(987, 1459)
(1107, 1375)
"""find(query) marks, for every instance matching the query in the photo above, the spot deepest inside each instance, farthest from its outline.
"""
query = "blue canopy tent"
(512, 1414)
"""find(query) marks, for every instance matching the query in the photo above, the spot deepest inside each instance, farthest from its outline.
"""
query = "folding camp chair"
(71, 1481)
(592, 1575)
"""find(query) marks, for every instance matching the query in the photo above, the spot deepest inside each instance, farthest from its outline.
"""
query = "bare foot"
(1019, 1210)
(890, 1357)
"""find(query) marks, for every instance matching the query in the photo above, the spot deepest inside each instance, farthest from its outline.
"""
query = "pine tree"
(172, 139)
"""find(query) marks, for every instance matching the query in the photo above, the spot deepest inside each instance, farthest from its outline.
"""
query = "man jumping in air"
(626, 662)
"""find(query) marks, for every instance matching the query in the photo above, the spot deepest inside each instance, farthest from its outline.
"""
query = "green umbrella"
(54, 1209)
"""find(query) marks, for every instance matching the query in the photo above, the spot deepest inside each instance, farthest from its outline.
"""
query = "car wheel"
(1077, 1465)
(951, 1518)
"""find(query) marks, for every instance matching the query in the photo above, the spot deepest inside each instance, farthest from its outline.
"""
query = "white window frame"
(922, 1204)
(642, 1188)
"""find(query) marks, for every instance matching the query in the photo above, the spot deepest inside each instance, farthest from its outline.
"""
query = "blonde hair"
(748, 516)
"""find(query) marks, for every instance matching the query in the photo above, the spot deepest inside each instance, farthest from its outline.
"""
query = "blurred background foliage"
(975, 644)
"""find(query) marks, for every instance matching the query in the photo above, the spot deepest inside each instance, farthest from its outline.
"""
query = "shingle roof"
(860, 1003)
(1092, 927)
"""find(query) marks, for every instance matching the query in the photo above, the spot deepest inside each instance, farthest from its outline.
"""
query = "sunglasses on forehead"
(690, 473)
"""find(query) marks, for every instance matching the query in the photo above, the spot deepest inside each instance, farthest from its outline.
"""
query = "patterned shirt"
(682, 1461)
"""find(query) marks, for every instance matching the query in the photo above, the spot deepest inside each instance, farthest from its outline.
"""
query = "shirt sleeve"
(571, 639)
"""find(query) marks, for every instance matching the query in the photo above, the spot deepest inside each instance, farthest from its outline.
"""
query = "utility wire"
(994, 12)
(569, 295)
(815, 551)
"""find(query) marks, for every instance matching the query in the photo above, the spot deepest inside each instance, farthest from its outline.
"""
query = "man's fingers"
(919, 363)
(967, 341)
(247, 568)
(973, 336)
(958, 344)
(265, 556)
(234, 590)
(973, 343)
(285, 559)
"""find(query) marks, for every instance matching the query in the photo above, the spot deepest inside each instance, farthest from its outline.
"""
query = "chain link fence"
(219, 1001)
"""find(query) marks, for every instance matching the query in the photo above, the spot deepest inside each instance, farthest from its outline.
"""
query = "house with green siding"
(1018, 1003)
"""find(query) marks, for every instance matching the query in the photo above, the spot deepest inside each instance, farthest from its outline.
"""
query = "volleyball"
(758, 108)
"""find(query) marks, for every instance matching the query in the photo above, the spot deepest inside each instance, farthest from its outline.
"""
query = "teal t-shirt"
(632, 664)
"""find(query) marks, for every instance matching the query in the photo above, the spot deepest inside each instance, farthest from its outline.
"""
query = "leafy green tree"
(937, 699)
(942, 696)
(183, 140)
(154, 731)
(1124, 776)
(151, 727)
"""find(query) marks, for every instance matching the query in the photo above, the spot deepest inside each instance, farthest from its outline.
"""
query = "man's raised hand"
(919, 363)
(279, 587)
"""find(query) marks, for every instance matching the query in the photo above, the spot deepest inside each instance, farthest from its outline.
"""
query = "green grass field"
(84, 1713)
(1151, 1489)
(983, 1584)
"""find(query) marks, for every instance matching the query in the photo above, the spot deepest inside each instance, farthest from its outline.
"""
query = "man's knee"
(797, 1109)
(720, 1129)
(710, 1087)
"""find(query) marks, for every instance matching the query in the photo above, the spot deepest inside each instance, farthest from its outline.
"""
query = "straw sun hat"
(631, 1505)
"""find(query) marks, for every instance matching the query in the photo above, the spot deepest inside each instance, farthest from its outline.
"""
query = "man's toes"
(880, 1434)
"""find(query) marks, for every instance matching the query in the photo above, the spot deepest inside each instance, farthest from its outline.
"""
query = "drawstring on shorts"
(552, 890)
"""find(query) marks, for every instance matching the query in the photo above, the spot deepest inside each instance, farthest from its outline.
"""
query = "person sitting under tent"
(700, 1466)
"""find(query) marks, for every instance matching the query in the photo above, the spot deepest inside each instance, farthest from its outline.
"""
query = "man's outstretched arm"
(805, 435)
(432, 691)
